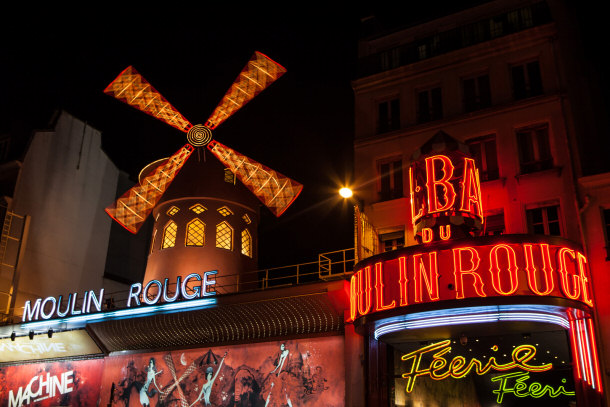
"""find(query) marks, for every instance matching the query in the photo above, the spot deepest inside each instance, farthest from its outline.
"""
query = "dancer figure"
(151, 372)
(206, 389)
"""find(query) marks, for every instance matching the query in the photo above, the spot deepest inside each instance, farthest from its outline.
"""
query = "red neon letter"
(582, 270)
(547, 269)
(458, 271)
(366, 292)
(426, 235)
(430, 278)
(353, 297)
(471, 189)
(402, 264)
(494, 268)
(379, 306)
(432, 184)
(563, 272)
(414, 190)
(445, 232)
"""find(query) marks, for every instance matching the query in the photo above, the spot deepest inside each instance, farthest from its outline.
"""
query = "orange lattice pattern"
(273, 189)
(131, 209)
(259, 72)
(130, 87)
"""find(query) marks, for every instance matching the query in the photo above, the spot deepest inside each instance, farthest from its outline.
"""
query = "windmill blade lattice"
(273, 189)
(259, 73)
(131, 88)
(132, 209)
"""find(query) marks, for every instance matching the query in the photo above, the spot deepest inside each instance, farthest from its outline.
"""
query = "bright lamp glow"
(346, 192)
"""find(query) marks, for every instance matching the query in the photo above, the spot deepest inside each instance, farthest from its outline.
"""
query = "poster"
(66, 383)
(300, 372)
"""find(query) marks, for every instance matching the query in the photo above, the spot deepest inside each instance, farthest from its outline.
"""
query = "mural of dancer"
(283, 378)
(151, 373)
(206, 389)
(304, 372)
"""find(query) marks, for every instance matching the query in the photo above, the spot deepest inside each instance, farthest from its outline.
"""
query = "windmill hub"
(199, 135)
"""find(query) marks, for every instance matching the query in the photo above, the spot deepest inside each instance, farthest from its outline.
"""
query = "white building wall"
(65, 184)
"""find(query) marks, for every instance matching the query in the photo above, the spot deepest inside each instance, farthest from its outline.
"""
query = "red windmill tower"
(205, 220)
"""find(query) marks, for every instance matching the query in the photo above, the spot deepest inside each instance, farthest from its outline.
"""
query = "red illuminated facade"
(476, 188)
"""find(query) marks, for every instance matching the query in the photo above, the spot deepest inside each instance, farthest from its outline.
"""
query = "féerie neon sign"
(154, 292)
(439, 368)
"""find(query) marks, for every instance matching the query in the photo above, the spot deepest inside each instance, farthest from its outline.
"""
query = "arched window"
(169, 235)
(224, 236)
(195, 233)
(246, 243)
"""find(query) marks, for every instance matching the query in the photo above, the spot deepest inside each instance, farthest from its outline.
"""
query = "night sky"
(301, 126)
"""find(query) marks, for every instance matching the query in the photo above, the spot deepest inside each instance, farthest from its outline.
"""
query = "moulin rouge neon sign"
(499, 268)
(447, 212)
(154, 292)
(522, 356)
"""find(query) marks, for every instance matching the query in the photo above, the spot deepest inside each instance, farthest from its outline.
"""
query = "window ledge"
(491, 182)
(534, 174)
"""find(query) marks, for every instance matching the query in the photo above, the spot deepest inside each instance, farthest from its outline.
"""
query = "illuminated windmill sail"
(273, 189)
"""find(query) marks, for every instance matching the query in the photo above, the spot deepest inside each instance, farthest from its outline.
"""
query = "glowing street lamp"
(346, 192)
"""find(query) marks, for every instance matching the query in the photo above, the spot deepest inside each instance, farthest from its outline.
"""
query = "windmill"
(273, 189)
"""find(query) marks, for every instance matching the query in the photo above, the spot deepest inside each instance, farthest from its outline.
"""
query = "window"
(229, 177)
(198, 208)
(172, 211)
(246, 243)
(195, 233)
(169, 235)
(429, 105)
(390, 179)
(483, 150)
(606, 220)
(527, 81)
(544, 220)
(477, 94)
(388, 116)
(224, 236)
(390, 59)
(224, 211)
(494, 224)
(392, 241)
(534, 149)
(246, 218)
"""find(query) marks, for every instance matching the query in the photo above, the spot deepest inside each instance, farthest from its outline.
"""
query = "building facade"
(505, 80)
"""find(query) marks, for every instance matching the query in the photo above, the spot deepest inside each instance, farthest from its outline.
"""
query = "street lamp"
(346, 192)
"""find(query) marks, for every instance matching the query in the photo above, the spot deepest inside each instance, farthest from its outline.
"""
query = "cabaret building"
(480, 267)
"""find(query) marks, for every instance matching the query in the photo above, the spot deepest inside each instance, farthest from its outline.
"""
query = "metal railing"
(330, 266)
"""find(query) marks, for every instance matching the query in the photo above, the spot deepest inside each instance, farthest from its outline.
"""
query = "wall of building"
(65, 182)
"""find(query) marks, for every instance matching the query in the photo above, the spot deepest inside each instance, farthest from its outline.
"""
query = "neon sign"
(442, 187)
(191, 287)
(503, 266)
(521, 389)
(440, 368)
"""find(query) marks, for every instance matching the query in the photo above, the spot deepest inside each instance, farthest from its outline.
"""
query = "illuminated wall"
(69, 383)
(300, 372)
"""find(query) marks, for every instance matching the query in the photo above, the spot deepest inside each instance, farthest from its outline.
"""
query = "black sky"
(301, 126)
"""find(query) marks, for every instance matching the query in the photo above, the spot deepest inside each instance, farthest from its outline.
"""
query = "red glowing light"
(132, 209)
(434, 204)
(272, 188)
(379, 303)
